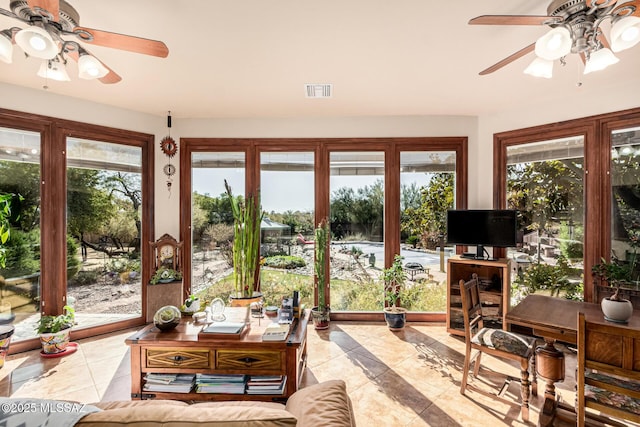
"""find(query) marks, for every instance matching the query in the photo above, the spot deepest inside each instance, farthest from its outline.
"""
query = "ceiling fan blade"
(509, 59)
(110, 78)
(515, 20)
(51, 6)
(123, 42)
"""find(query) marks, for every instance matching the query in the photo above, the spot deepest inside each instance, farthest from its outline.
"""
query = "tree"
(23, 181)
(545, 193)
(429, 220)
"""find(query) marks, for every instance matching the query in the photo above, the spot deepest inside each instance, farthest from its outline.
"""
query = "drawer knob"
(248, 361)
(177, 360)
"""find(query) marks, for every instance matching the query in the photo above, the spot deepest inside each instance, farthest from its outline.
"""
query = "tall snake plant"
(247, 216)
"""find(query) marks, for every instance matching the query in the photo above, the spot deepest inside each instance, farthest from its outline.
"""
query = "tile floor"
(408, 378)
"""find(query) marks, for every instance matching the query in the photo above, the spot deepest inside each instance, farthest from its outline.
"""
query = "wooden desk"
(555, 319)
(180, 351)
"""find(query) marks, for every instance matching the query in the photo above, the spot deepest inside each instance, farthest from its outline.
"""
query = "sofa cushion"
(322, 405)
(150, 413)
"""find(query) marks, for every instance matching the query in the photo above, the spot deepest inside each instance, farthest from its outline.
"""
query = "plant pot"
(242, 301)
(616, 311)
(167, 318)
(55, 342)
(5, 339)
(193, 307)
(320, 318)
(395, 319)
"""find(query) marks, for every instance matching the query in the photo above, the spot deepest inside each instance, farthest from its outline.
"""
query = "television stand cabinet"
(179, 351)
(495, 290)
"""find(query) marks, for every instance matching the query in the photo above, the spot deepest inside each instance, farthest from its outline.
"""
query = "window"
(20, 277)
(104, 231)
(354, 183)
(545, 184)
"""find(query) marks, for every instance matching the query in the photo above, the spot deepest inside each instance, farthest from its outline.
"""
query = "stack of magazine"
(266, 384)
(220, 383)
(169, 383)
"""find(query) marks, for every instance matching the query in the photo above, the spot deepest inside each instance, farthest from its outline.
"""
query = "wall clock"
(167, 252)
(168, 146)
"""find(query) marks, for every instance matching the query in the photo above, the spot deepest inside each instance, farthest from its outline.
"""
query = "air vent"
(318, 90)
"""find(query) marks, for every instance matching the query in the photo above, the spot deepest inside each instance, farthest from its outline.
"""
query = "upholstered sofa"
(321, 405)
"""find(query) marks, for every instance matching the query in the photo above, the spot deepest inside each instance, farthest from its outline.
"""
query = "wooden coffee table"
(179, 351)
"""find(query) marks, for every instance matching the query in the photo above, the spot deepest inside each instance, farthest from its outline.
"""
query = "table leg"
(550, 367)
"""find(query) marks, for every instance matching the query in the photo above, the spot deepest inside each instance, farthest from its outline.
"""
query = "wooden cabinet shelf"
(180, 352)
(495, 290)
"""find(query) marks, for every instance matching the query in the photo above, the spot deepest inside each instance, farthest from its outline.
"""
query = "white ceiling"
(251, 58)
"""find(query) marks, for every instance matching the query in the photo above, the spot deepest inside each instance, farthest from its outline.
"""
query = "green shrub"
(413, 240)
(284, 261)
(22, 253)
(85, 277)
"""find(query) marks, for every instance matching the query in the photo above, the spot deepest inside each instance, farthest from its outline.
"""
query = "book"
(266, 384)
(221, 383)
(276, 332)
(169, 383)
(224, 328)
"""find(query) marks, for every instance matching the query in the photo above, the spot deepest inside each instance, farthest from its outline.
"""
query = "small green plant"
(284, 261)
(394, 279)
(413, 240)
(164, 274)
(546, 277)
(53, 324)
(355, 252)
(192, 298)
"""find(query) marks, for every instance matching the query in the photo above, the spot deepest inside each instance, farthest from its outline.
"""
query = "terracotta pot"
(240, 301)
(617, 311)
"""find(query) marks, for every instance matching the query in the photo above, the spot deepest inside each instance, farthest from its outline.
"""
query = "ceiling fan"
(575, 28)
(53, 34)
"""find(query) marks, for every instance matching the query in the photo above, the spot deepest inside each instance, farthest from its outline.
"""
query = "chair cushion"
(613, 399)
(504, 341)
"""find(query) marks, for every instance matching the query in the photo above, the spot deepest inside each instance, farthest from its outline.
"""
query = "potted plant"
(394, 279)
(54, 330)
(247, 217)
(165, 275)
(614, 274)
(321, 313)
(191, 304)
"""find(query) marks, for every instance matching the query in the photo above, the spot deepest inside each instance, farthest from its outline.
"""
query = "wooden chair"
(496, 342)
(608, 376)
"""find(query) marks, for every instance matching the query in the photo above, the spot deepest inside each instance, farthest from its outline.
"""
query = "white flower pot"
(617, 311)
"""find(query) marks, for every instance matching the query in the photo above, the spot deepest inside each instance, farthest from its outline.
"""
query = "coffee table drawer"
(249, 360)
(177, 358)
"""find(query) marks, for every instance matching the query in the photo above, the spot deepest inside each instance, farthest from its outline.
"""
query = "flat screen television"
(480, 228)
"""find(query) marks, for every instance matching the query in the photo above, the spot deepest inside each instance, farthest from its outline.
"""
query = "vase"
(616, 311)
(55, 342)
(320, 318)
(243, 301)
(395, 319)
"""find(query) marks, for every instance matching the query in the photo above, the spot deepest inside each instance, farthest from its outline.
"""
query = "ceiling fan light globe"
(90, 68)
(37, 42)
(540, 67)
(554, 45)
(625, 33)
(54, 71)
(6, 49)
(599, 60)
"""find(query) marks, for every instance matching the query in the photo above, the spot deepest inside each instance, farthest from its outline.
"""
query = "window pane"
(427, 188)
(625, 195)
(357, 220)
(545, 184)
(287, 195)
(20, 277)
(212, 221)
(104, 229)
